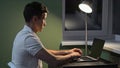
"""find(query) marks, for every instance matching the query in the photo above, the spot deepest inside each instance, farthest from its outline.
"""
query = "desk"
(96, 64)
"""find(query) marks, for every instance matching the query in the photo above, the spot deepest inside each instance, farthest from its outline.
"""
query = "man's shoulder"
(24, 34)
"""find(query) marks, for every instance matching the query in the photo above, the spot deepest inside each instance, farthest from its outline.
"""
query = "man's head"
(35, 14)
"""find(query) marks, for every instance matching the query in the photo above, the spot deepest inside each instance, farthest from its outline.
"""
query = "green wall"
(11, 21)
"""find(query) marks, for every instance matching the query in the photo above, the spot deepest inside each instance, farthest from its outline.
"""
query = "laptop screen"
(97, 48)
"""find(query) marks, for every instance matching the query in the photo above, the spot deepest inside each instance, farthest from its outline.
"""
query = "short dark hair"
(34, 9)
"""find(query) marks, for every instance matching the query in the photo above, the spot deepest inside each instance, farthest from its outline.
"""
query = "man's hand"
(75, 54)
(76, 50)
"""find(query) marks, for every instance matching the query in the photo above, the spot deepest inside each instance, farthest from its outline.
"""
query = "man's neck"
(32, 27)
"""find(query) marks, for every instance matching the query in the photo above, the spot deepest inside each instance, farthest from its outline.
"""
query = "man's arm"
(55, 60)
(65, 52)
(60, 52)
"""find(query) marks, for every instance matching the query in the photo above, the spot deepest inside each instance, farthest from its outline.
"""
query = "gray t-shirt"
(25, 46)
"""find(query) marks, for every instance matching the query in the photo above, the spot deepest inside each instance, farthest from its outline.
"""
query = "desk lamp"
(86, 7)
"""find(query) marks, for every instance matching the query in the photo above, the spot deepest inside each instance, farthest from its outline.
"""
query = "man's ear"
(34, 19)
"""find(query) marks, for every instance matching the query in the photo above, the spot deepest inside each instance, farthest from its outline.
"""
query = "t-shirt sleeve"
(33, 45)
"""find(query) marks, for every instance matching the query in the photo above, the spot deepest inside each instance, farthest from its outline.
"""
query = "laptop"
(96, 50)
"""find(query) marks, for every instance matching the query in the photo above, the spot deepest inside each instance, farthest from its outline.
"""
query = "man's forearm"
(60, 52)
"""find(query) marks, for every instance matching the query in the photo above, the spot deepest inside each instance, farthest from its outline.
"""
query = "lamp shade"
(86, 7)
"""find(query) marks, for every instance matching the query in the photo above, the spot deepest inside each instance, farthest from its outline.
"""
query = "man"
(27, 47)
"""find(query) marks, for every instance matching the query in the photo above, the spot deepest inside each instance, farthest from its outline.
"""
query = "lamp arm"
(86, 34)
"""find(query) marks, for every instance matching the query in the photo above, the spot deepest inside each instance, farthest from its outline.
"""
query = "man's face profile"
(40, 23)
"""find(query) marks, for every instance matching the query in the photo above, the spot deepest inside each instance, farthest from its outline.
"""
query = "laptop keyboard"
(84, 59)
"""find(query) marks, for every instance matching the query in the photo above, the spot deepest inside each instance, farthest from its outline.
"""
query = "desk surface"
(96, 64)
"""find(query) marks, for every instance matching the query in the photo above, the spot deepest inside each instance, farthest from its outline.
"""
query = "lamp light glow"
(85, 6)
